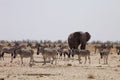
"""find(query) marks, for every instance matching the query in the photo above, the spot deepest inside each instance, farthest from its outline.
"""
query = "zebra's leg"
(99, 60)
(60, 55)
(11, 58)
(72, 56)
(21, 61)
(79, 58)
(64, 55)
(95, 50)
(50, 59)
(31, 61)
(106, 59)
(54, 59)
(44, 58)
(85, 59)
(89, 59)
(2, 55)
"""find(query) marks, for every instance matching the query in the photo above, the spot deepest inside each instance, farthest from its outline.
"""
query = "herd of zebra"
(51, 51)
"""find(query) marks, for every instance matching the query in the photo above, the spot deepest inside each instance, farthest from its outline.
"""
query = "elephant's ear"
(88, 36)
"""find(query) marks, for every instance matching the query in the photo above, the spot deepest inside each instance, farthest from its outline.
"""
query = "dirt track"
(64, 70)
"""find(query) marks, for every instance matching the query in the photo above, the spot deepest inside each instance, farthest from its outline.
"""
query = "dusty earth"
(64, 70)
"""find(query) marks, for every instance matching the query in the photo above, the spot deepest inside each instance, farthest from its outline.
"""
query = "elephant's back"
(74, 36)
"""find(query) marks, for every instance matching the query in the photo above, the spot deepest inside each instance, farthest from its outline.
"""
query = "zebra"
(24, 53)
(48, 53)
(82, 53)
(8, 50)
(104, 55)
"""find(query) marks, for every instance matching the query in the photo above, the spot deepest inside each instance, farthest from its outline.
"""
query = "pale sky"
(56, 19)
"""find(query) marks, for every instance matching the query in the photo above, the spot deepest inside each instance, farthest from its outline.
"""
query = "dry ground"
(64, 70)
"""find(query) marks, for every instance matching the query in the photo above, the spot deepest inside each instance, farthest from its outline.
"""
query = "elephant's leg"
(83, 46)
(76, 46)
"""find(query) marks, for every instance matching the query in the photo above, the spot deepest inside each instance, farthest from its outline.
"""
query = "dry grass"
(64, 70)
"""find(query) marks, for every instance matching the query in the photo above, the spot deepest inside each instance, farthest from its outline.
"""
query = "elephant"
(78, 38)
